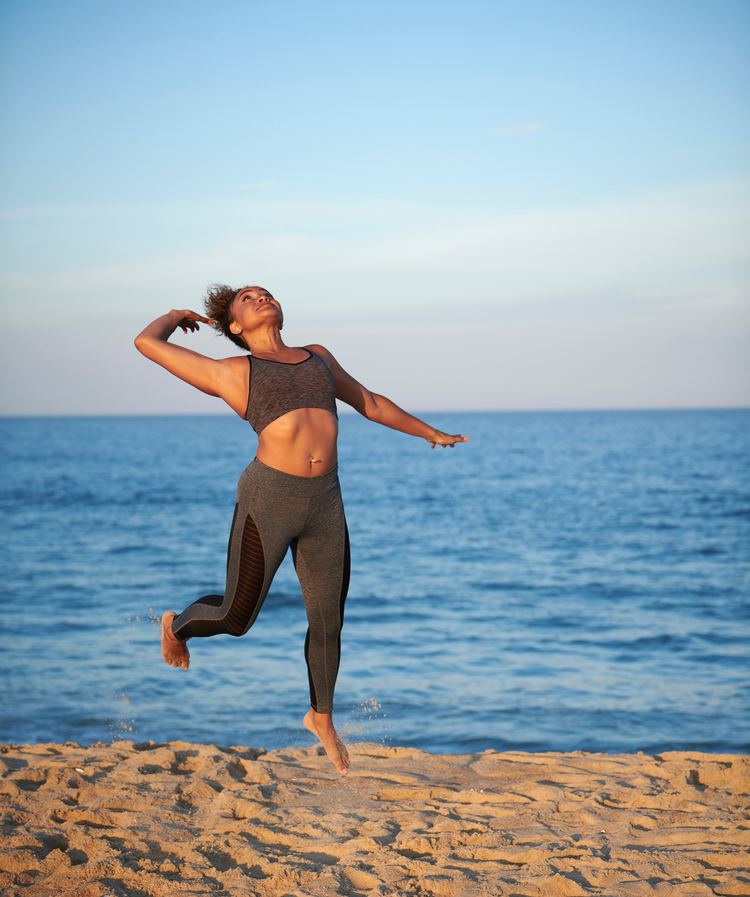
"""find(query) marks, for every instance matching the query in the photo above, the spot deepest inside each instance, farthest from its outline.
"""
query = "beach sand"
(141, 819)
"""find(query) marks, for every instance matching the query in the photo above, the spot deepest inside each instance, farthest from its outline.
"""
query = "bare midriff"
(301, 442)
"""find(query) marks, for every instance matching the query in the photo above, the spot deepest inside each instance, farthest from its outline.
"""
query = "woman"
(289, 496)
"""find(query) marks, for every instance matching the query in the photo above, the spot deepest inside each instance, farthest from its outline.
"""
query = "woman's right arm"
(216, 378)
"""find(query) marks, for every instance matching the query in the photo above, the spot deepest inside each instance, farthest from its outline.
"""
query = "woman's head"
(218, 304)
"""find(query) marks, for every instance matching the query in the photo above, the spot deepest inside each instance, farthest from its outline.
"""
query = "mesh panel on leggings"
(249, 580)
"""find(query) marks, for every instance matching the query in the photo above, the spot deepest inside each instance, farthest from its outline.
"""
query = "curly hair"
(218, 305)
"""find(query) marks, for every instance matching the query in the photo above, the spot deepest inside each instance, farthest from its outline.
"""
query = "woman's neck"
(273, 347)
(266, 342)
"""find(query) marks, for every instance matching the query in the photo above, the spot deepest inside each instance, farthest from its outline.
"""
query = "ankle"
(323, 722)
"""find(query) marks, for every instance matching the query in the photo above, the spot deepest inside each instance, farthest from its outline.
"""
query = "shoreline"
(168, 818)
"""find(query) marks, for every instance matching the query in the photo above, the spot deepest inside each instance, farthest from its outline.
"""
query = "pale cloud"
(241, 208)
(521, 129)
(678, 240)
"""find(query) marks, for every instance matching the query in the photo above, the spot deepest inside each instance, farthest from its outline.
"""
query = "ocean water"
(564, 581)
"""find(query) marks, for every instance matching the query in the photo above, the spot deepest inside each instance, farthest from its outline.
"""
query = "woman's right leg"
(257, 545)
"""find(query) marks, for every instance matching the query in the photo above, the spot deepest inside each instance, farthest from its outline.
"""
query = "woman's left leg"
(322, 560)
(321, 557)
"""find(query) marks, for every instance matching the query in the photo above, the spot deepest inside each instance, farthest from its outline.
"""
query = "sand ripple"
(163, 819)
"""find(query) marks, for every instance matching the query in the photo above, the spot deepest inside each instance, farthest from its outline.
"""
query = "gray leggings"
(274, 511)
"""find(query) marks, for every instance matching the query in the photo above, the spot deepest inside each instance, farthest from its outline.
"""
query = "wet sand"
(136, 819)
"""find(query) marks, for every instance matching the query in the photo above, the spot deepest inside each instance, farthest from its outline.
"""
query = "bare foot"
(174, 651)
(321, 725)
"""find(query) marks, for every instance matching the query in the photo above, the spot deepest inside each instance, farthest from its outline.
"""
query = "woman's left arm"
(381, 410)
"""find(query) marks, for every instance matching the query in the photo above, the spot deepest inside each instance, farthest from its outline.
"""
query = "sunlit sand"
(163, 819)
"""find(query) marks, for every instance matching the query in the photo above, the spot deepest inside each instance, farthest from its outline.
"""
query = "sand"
(141, 819)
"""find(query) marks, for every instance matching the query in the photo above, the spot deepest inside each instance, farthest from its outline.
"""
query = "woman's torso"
(292, 407)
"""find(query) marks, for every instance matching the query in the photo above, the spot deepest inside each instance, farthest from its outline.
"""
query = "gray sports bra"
(277, 387)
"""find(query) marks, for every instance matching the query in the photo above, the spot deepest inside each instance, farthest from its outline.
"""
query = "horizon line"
(347, 412)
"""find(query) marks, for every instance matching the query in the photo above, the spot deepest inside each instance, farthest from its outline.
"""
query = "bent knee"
(235, 629)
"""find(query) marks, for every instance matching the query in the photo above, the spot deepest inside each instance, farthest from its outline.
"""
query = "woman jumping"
(289, 496)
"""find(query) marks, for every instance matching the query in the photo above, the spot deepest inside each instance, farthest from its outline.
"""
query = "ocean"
(564, 581)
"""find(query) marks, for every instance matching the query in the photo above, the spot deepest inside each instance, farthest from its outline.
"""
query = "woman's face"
(255, 306)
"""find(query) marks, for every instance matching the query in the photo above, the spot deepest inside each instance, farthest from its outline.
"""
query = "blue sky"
(491, 205)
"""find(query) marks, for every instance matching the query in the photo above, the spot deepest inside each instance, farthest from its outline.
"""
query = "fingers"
(449, 440)
(190, 318)
(190, 321)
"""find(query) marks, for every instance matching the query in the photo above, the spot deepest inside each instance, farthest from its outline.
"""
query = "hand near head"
(444, 439)
(189, 319)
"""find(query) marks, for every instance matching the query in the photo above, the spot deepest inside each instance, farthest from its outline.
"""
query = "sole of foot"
(174, 652)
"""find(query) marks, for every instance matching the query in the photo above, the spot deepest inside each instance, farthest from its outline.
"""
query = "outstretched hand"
(189, 320)
(446, 439)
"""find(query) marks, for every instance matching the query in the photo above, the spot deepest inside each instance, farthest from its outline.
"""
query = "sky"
(487, 205)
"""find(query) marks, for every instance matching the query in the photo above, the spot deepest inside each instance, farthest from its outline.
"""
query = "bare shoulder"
(322, 351)
(348, 389)
(234, 362)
